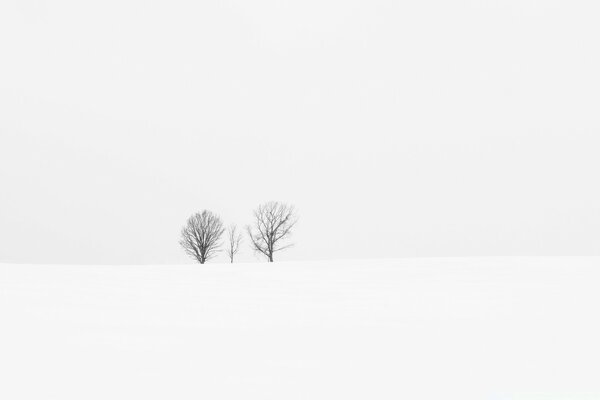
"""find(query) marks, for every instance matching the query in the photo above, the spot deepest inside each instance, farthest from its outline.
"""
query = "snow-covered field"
(463, 328)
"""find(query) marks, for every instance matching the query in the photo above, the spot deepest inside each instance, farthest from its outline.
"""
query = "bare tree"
(201, 236)
(234, 240)
(273, 223)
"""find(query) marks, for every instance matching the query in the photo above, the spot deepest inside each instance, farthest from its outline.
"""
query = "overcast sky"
(415, 128)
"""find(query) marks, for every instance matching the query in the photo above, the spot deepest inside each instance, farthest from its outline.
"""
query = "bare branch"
(234, 239)
(201, 236)
(273, 224)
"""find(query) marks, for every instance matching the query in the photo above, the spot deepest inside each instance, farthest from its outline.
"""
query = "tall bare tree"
(234, 239)
(201, 236)
(273, 223)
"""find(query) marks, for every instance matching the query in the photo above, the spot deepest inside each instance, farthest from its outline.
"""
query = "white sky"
(421, 128)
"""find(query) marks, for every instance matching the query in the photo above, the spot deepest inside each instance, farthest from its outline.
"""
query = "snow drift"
(463, 328)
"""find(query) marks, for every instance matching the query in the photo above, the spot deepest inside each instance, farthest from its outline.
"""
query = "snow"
(455, 328)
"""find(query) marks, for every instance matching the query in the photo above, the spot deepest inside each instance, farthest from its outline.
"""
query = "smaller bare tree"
(234, 240)
(273, 223)
(201, 236)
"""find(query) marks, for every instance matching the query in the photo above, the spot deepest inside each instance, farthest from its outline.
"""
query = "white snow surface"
(446, 328)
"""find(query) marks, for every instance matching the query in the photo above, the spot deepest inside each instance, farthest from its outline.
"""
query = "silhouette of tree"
(201, 236)
(234, 239)
(273, 224)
